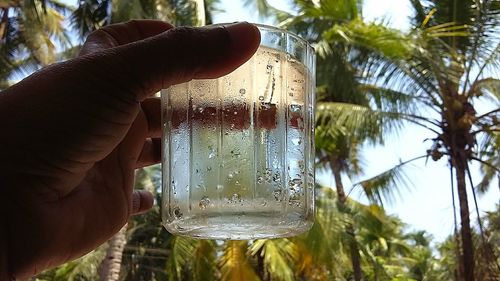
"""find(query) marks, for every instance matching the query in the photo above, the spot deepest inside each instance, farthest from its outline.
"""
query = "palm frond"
(323, 240)
(392, 43)
(89, 16)
(389, 100)
(448, 29)
(266, 10)
(488, 87)
(183, 250)
(486, 60)
(234, 263)
(484, 19)
(489, 160)
(204, 265)
(279, 257)
(386, 185)
(361, 122)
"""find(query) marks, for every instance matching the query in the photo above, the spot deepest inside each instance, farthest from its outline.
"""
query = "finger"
(152, 109)
(178, 55)
(122, 33)
(150, 153)
(142, 201)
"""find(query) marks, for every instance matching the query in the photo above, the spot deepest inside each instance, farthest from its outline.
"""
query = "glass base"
(240, 226)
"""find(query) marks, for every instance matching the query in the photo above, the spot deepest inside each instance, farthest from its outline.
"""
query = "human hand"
(74, 132)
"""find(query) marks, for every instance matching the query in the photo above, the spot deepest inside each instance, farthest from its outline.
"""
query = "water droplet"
(235, 153)
(204, 202)
(230, 176)
(209, 168)
(301, 164)
(220, 186)
(277, 195)
(235, 113)
(177, 212)
(237, 172)
(296, 182)
(296, 108)
(261, 98)
(265, 105)
(235, 198)
(260, 179)
(268, 175)
(242, 91)
(277, 178)
(211, 152)
(263, 203)
(290, 94)
(296, 141)
(269, 68)
(237, 182)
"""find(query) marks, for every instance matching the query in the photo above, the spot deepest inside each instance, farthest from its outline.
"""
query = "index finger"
(122, 33)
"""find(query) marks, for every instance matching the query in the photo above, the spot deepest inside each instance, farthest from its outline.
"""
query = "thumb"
(175, 56)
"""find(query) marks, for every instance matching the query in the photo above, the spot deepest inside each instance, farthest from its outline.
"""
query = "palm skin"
(73, 134)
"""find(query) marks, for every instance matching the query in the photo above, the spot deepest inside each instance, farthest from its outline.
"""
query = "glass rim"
(278, 29)
(262, 26)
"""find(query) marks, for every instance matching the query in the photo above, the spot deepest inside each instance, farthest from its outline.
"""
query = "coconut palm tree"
(92, 14)
(447, 64)
(30, 32)
(349, 112)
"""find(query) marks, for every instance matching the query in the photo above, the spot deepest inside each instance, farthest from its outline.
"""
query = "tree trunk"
(110, 265)
(353, 246)
(200, 12)
(465, 231)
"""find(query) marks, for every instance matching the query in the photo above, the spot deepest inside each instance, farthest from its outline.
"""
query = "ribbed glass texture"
(238, 153)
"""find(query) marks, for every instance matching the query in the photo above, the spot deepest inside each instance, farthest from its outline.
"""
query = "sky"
(427, 203)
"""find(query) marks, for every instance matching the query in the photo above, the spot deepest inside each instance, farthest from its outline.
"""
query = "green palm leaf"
(390, 42)
(386, 185)
(183, 249)
(279, 257)
(361, 122)
(204, 265)
(234, 263)
(488, 87)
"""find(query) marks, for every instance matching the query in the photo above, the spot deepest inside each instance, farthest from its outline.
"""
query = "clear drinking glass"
(238, 158)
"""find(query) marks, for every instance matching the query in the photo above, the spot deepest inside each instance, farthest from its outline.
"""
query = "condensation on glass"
(238, 154)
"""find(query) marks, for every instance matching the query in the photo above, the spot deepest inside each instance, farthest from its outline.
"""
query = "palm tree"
(29, 34)
(348, 111)
(111, 263)
(446, 65)
(92, 14)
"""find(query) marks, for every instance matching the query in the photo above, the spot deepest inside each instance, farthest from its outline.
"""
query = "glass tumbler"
(238, 151)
